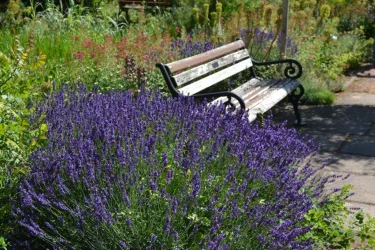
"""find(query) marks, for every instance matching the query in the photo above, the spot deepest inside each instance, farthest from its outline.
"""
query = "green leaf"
(3, 244)
(43, 128)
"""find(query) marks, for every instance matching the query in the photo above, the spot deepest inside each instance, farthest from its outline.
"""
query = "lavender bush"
(152, 173)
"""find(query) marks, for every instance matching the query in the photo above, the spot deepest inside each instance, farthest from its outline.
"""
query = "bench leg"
(294, 99)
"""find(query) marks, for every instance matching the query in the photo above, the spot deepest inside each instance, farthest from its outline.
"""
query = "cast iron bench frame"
(255, 96)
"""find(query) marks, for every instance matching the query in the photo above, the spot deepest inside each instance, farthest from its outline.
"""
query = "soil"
(362, 85)
(364, 82)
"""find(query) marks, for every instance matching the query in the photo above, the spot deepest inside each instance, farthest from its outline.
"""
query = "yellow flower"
(4, 60)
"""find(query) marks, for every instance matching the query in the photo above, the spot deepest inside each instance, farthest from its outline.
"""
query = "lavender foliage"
(187, 48)
(128, 173)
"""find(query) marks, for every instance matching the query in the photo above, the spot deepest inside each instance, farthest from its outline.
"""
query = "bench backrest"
(192, 75)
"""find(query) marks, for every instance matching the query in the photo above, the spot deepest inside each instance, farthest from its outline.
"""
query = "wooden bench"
(191, 76)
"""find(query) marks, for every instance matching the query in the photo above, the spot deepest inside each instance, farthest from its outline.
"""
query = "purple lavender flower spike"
(123, 245)
(167, 227)
(175, 235)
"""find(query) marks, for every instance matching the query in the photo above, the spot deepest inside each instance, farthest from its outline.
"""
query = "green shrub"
(354, 49)
(17, 139)
(335, 228)
(325, 59)
(315, 95)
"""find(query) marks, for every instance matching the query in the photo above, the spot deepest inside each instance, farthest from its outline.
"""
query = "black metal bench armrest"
(227, 94)
(292, 71)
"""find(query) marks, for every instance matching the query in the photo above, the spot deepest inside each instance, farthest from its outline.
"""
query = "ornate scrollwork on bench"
(229, 95)
(293, 70)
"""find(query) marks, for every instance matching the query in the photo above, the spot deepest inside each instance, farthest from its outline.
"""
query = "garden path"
(346, 133)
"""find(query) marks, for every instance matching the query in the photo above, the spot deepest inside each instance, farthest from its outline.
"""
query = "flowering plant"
(127, 63)
(155, 173)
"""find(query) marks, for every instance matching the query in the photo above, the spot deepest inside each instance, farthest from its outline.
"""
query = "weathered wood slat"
(248, 91)
(210, 80)
(204, 69)
(240, 91)
(258, 98)
(205, 57)
(271, 99)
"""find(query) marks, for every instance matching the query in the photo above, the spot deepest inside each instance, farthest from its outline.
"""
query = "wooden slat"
(254, 92)
(252, 88)
(248, 90)
(205, 57)
(270, 100)
(260, 96)
(254, 100)
(201, 70)
(247, 86)
(210, 80)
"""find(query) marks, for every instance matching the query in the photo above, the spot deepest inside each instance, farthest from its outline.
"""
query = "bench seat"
(261, 95)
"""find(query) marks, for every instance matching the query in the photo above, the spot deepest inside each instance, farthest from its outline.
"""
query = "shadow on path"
(346, 134)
